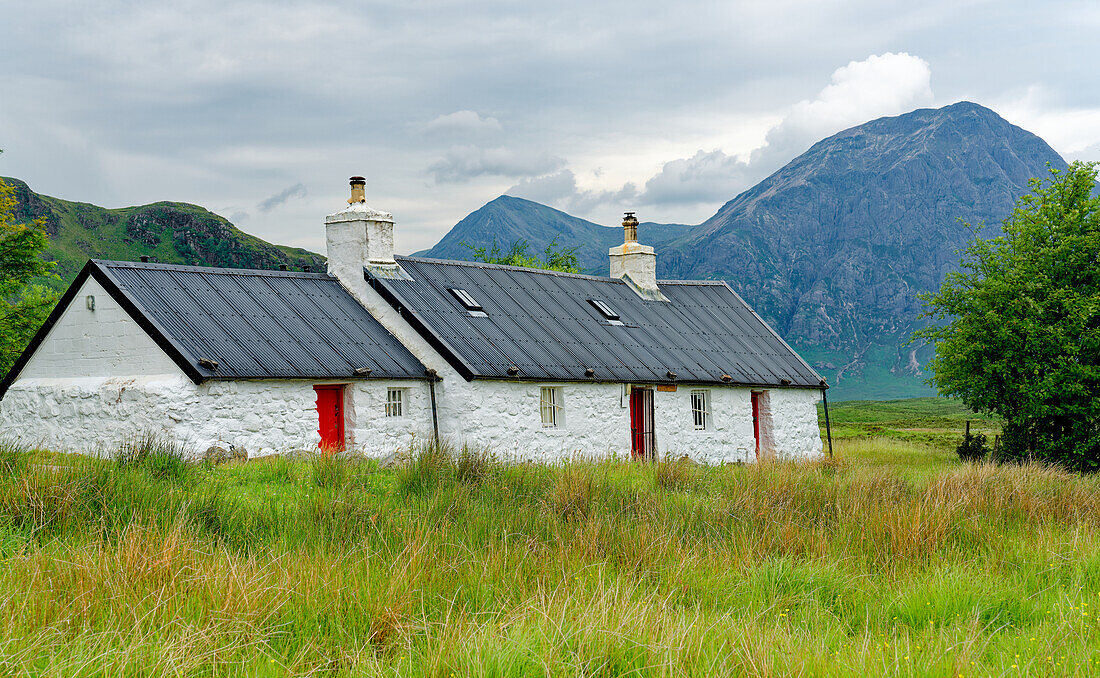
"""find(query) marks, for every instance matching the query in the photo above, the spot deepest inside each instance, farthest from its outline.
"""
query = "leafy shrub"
(1018, 331)
(973, 447)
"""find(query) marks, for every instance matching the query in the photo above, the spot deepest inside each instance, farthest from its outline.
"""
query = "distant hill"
(172, 232)
(833, 248)
(510, 219)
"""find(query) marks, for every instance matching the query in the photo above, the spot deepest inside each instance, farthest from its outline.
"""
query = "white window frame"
(552, 406)
(396, 401)
(700, 409)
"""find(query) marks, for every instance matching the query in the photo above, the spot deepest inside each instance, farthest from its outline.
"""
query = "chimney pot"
(358, 190)
(145, 258)
(630, 228)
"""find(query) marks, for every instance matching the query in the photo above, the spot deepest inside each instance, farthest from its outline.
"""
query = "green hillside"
(169, 232)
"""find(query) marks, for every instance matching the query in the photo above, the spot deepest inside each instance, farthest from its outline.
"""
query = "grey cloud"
(704, 177)
(1087, 154)
(463, 163)
(298, 190)
(238, 217)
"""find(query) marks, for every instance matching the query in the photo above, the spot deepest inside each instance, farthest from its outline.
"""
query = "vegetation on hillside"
(554, 257)
(168, 232)
(893, 559)
(1019, 325)
(23, 306)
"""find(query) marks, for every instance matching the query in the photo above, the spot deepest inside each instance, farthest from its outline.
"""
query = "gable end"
(98, 273)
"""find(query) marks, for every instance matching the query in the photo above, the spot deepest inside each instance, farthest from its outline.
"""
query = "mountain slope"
(509, 219)
(174, 233)
(833, 248)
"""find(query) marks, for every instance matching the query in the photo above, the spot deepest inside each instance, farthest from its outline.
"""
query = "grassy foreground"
(891, 560)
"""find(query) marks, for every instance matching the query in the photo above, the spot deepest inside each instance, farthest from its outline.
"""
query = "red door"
(756, 420)
(330, 415)
(642, 439)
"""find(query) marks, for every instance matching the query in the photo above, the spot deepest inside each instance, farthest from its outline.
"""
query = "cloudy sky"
(261, 110)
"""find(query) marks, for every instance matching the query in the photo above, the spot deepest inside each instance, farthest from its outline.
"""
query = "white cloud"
(548, 188)
(880, 85)
(1072, 131)
(219, 103)
(462, 163)
(560, 189)
(461, 123)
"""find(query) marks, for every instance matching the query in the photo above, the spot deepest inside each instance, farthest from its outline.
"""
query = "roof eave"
(662, 382)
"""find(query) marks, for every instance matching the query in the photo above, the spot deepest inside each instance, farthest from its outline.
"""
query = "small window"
(395, 402)
(700, 409)
(550, 405)
(606, 311)
(467, 300)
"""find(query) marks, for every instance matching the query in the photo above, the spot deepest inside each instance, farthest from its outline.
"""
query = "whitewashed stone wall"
(729, 433)
(794, 430)
(596, 422)
(505, 415)
(95, 414)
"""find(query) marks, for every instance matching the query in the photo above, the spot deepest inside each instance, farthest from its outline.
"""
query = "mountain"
(510, 219)
(833, 248)
(172, 232)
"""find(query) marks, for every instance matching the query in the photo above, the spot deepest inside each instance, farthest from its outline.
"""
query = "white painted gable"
(104, 342)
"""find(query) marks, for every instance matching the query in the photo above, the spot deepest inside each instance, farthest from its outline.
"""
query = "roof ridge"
(502, 267)
(216, 270)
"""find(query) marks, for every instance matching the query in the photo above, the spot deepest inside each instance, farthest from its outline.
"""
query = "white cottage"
(382, 350)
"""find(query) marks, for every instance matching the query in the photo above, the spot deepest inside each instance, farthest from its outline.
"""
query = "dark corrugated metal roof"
(542, 323)
(258, 324)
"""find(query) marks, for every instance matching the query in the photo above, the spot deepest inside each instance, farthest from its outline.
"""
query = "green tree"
(554, 257)
(1018, 330)
(23, 305)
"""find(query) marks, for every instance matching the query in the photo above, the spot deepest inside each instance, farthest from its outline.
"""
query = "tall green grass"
(455, 563)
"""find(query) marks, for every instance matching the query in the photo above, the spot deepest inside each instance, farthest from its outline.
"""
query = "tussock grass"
(454, 563)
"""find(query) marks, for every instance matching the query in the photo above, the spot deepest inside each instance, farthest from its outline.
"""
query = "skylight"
(606, 311)
(466, 299)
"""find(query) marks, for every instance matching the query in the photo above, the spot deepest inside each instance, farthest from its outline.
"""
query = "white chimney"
(635, 263)
(358, 236)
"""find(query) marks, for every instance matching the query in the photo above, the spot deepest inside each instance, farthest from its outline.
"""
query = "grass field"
(892, 559)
